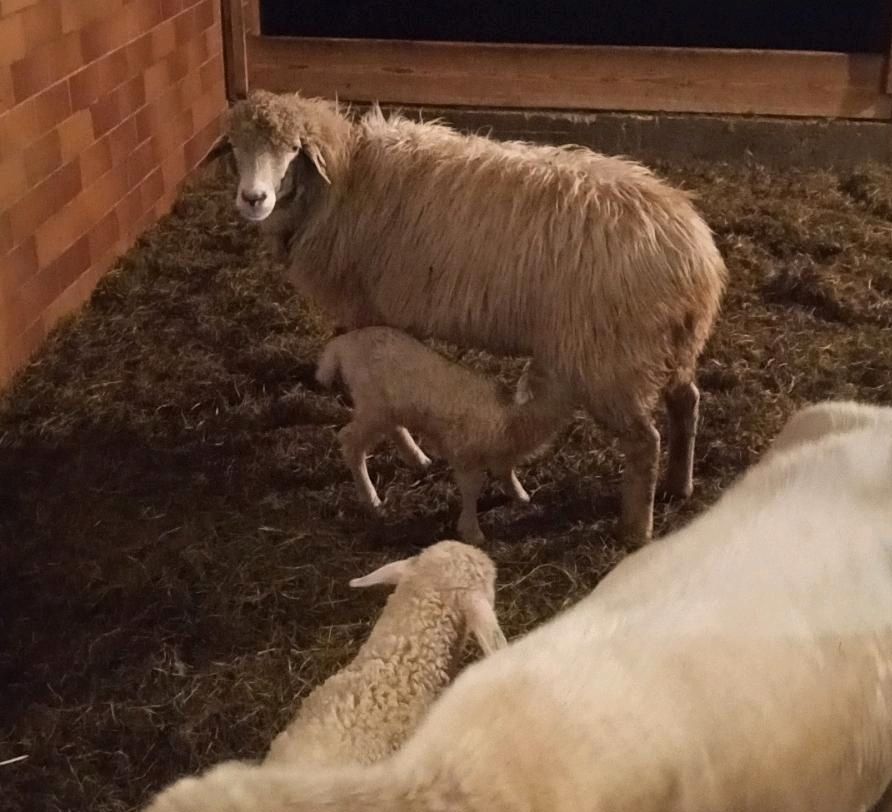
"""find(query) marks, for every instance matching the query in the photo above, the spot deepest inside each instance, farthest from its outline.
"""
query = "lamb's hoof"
(375, 507)
(423, 461)
(523, 497)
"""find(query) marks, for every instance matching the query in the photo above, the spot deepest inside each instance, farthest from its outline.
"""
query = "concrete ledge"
(731, 139)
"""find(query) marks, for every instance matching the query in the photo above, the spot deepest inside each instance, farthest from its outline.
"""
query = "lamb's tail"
(329, 364)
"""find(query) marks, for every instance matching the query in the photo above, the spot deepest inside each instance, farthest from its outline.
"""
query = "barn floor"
(178, 530)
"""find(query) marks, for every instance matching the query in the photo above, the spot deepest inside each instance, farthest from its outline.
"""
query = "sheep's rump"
(586, 261)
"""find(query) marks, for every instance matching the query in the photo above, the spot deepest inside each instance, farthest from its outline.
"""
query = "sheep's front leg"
(410, 452)
(355, 444)
(470, 483)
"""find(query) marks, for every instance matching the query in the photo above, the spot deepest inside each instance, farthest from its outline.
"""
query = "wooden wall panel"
(105, 107)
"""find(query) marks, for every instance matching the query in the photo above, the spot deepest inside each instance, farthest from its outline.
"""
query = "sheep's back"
(575, 257)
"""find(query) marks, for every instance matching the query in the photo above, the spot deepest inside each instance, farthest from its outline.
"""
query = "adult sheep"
(604, 274)
(743, 663)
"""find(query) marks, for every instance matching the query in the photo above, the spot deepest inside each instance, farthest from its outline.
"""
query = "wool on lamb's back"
(566, 254)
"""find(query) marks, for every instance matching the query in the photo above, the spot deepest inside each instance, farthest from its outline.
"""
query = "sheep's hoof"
(375, 507)
(676, 489)
(423, 461)
(471, 535)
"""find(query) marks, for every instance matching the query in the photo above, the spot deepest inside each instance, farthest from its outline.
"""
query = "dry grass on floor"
(178, 530)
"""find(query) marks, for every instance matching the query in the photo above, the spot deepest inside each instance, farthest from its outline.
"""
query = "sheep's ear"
(482, 622)
(391, 573)
(318, 159)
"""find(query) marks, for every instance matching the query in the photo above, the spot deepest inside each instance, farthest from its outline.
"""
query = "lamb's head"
(281, 143)
(459, 570)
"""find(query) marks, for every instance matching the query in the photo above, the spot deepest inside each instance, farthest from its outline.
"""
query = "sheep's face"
(264, 176)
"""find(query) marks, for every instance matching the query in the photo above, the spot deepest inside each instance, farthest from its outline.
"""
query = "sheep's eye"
(295, 148)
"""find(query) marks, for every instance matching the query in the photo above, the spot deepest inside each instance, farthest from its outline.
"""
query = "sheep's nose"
(253, 198)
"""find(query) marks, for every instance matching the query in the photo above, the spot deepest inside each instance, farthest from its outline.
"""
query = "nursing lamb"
(604, 274)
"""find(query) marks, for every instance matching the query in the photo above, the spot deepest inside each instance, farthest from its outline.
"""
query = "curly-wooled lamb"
(742, 663)
(397, 383)
(366, 710)
(604, 274)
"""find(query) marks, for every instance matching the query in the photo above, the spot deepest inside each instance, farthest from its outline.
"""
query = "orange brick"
(45, 65)
(18, 266)
(43, 157)
(172, 137)
(185, 26)
(200, 145)
(212, 71)
(118, 105)
(69, 266)
(151, 190)
(63, 229)
(210, 105)
(42, 23)
(7, 7)
(44, 199)
(15, 180)
(141, 163)
(103, 236)
(12, 39)
(68, 302)
(123, 140)
(139, 54)
(77, 13)
(27, 121)
(96, 161)
(75, 134)
(106, 193)
(164, 39)
(6, 239)
(98, 79)
(7, 94)
(127, 212)
(101, 36)
(205, 14)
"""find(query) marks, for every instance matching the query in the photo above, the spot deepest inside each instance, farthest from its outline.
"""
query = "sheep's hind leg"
(470, 483)
(683, 412)
(356, 441)
(639, 442)
(410, 452)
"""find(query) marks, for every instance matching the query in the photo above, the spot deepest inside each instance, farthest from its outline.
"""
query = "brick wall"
(105, 106)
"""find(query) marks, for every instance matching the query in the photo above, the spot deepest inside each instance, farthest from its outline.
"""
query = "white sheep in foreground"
(366, 710)
(742, 663)
(605, 275)
(829, 417)
(397, 383)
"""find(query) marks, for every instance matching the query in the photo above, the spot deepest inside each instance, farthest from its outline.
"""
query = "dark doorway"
(806, 25)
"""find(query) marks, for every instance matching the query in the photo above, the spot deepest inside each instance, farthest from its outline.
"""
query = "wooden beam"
(235, 57)
(692, 80)
(887, 85)
(252, 16)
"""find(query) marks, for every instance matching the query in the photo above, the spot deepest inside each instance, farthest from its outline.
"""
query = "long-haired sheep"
(743, 663)
(604, 274)
(366, 710)
(397, 383)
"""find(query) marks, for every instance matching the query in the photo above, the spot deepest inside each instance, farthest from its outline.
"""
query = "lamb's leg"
(356, 440)
(683, 411)
(470, 483)
(516, 490)
(410, 452)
